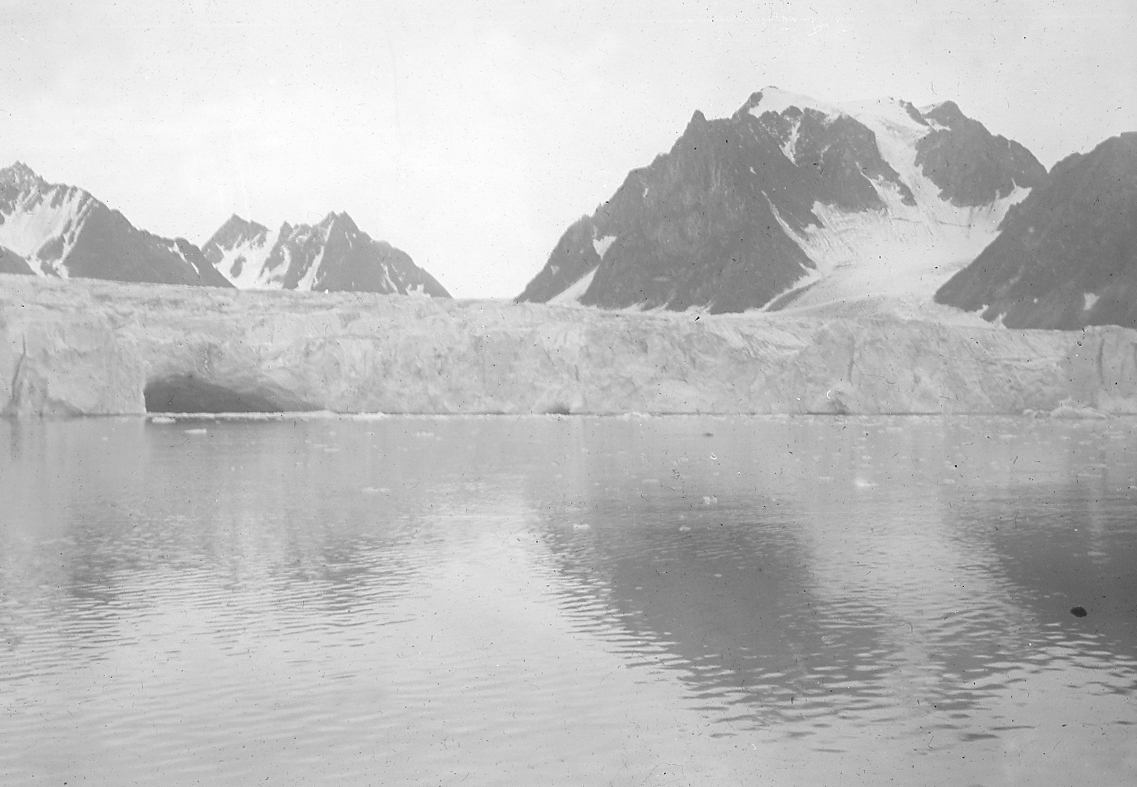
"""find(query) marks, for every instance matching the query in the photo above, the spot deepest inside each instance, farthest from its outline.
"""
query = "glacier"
(87, 347)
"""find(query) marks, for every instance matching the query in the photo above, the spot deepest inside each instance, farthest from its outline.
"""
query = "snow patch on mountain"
(572, 294)
(42, 225)
(776, 100)
(62, 231)
(243, 263)
(331, 255)
(603, 244)
(789, 147)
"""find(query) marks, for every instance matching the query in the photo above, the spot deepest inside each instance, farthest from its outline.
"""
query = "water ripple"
(567, 601)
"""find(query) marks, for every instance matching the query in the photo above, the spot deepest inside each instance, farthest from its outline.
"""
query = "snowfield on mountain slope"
(96, 348)
(899, 257)
(42, 226)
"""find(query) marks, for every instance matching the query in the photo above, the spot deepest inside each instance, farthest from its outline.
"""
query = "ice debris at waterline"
(98, 348)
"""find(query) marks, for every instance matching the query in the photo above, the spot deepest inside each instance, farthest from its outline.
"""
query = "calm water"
(578, 601)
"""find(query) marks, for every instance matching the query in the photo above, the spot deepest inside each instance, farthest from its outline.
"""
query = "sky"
(471, 134)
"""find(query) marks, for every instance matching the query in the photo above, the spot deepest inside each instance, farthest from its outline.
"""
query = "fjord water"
(568, 600)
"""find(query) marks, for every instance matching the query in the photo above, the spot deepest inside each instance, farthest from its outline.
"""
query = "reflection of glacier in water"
(568, 600)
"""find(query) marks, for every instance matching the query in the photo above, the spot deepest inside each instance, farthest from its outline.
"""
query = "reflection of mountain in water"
(1065, 539)
(304, 527)
(844, 570)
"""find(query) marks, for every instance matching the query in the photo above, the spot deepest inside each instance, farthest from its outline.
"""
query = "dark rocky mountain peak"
(747, 209)
(234, 230)
(331, 255)
(63, 231)
(971, 165)
(341, 221)
(20, 176)
(946, 113)
(1067, 255)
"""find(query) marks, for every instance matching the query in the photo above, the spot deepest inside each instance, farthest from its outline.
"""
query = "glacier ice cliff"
(97, 348)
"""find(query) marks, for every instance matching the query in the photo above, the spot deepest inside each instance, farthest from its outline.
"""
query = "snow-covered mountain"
(57, 230)
(794, 203)
(1067, 255)
(334, 255)
(63, 231)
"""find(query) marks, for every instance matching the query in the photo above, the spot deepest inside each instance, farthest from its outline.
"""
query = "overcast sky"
(470, 134)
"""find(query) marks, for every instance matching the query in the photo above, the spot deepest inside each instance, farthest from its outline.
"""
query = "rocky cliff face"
(11, 262)
(92, 348)
(332, 256)
(1067, 255)
(790, 201)
(971, 166)
(62, 231)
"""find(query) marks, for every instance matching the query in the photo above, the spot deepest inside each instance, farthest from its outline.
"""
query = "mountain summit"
(1067, 255)
(331, 256)
(793, 202)
(51, 229)
(62, 231)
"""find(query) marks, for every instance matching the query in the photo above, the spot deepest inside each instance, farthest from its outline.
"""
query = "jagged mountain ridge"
(791, 202)
(63, 231)
(1067, 255)
(333, 255)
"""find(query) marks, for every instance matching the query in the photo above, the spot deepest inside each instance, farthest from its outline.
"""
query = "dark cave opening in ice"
(188, 394)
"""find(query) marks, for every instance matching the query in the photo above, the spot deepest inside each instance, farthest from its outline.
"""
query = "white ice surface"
(89, 347)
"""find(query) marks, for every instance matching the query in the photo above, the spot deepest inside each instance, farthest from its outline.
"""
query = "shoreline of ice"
(92, 348)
